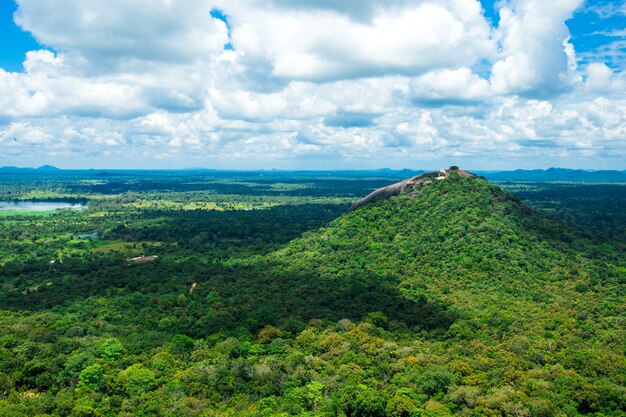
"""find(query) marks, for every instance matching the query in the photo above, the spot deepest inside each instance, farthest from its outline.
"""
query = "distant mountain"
(14, 169)
(557, 174)
(48, 168)
(43, 168)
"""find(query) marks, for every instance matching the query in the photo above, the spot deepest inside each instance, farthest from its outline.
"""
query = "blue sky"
(313, 84)
(596, 26)
(15, 42)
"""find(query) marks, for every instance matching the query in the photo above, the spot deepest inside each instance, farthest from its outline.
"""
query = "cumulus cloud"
(450, 86)
(124, 33)
(114, 59)
(320, 43)
(46, 89)
(601, 79)
(534, 54)
(302, 83)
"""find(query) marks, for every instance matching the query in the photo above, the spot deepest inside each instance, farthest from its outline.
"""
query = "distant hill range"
(533, 175)
(556, 174)
(43, 168)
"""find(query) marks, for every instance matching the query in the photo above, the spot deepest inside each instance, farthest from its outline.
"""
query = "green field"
(8, 213)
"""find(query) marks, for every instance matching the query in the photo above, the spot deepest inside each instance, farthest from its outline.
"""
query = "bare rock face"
(410, 184)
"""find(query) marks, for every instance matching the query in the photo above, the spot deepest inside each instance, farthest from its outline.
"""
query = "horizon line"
(50, 168)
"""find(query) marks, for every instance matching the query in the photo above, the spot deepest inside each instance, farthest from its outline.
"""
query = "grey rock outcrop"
(408, 184)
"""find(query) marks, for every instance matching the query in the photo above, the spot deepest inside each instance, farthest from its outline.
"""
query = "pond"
(38, 206)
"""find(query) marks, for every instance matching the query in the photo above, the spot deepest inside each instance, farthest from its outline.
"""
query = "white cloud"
(119, 33)
(323, 44)
(448, 85)
(19, 133)
(45, 89)
(598, 76)
(324, 83)
(607, 9)
(534, 57)
(608, 116)
(601, 79)
(297, 101)
(41, 61)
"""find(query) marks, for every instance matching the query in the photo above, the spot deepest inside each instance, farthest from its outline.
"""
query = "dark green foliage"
(436, 380)
(182, 345)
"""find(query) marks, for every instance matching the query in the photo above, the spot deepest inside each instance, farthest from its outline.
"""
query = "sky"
(313, 84)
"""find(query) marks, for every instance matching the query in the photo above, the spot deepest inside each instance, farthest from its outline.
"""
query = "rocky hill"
(414, 184)
(478, 280)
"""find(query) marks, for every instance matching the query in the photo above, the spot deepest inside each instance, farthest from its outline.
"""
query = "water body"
(39, 205)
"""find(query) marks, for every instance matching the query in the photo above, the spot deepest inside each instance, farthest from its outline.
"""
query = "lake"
(39, 205)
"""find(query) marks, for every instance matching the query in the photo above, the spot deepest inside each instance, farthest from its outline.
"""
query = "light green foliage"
(138, 379)
(91, 377)
(85, 411)
(111, 349)
(306, 398)
(401, 405)
(364, 401)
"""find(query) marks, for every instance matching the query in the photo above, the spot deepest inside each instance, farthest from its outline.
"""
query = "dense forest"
(262, 294)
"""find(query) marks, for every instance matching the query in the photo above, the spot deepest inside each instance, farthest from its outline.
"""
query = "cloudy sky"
(313, 84)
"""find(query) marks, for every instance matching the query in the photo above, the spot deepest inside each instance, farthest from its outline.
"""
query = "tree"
(111, 349)
(436, 379)
(363, 401)
(182, 345)
(91, 377)
(138, 379)
(269, 333)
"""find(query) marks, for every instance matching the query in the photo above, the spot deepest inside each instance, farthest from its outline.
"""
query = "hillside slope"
(460, 238)
(525, 307)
